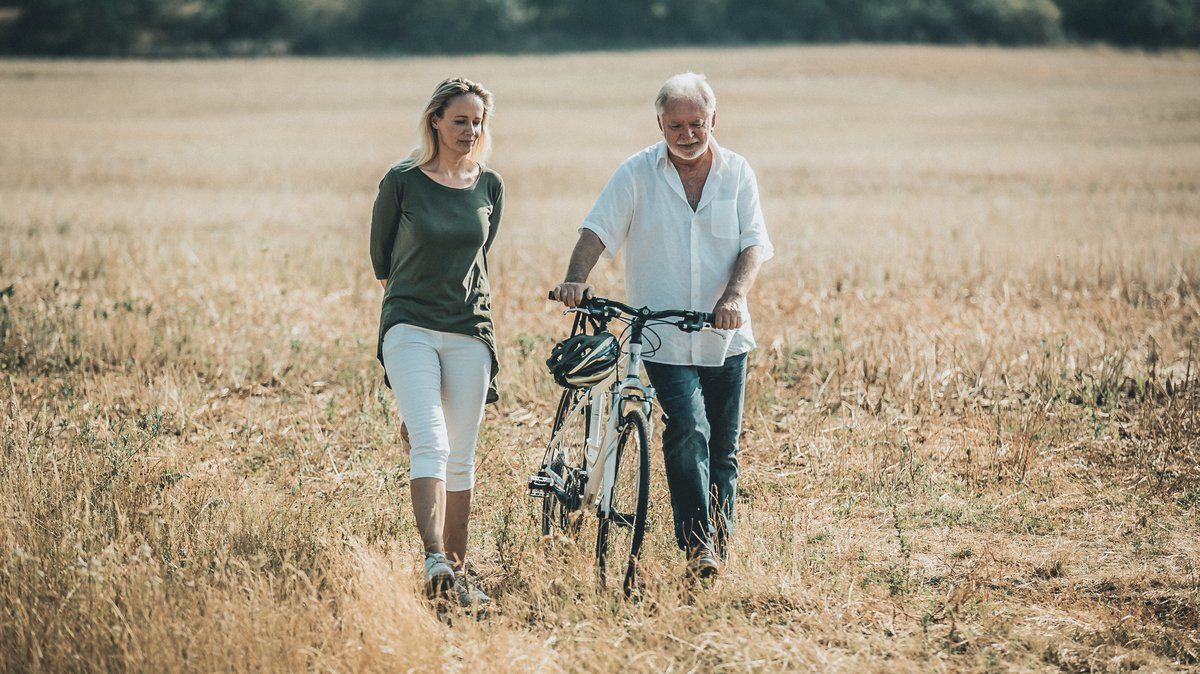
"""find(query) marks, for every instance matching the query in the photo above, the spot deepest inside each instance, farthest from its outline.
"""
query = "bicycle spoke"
(563, 461)
(621, 519)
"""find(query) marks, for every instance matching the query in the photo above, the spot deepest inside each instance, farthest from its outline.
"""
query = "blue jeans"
(703, 415)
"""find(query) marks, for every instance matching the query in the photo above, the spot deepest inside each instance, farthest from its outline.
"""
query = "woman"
(433, 223)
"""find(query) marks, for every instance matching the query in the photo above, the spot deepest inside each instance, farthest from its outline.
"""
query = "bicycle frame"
(602, 451)
(605, 408)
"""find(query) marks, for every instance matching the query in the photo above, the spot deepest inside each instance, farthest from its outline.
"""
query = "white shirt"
(676, 258)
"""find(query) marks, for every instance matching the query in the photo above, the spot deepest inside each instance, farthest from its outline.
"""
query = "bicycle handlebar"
(693, 321)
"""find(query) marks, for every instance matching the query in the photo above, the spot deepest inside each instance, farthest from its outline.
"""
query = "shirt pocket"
(723, 216)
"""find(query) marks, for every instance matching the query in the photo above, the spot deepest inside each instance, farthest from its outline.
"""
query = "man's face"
(686, 127)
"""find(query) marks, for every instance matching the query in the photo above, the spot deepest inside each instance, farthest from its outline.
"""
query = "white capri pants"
(440, 380)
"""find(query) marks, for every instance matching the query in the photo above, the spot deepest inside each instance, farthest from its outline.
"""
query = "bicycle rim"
(565, 452)
(553, 515)
(620, 532)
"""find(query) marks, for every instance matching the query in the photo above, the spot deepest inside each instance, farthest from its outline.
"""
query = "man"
(687, 213)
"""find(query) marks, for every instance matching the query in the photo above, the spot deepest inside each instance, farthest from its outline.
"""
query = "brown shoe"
(701, 564)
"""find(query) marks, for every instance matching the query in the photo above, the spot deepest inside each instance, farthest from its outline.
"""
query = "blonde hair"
(427, 138)
(688, 87)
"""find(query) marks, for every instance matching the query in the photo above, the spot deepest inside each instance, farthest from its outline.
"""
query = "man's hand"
(573, 294)
(575, 288)
(727, 315)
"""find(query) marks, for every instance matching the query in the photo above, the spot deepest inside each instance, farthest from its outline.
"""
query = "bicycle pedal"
(540, 486)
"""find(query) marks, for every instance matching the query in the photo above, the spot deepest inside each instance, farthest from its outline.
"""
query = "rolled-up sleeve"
(385, 218)
(750, 216)
(612, 213)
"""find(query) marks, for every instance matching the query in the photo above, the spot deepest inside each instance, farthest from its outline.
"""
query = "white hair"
(688, 87)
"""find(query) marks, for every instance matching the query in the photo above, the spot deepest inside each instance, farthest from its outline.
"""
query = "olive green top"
(431, 242)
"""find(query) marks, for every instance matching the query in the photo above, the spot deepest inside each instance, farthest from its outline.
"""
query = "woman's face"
(461, 123)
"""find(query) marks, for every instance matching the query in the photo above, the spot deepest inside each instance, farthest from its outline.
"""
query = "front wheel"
(621, 529)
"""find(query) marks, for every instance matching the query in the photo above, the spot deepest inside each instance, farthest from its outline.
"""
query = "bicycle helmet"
(584, 360)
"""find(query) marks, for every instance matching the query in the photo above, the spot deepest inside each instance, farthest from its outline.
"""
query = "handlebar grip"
(550, 296)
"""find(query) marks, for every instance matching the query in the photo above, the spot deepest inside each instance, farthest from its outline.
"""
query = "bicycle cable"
(648, 332)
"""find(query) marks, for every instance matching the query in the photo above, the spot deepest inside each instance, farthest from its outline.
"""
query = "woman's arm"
(385, 219)
(496, 214)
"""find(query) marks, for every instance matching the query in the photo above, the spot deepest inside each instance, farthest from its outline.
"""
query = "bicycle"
(598, 455)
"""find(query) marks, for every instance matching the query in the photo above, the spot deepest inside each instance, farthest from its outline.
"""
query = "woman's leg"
(466, 369)
(411, 358)
(429, 509)
(455, 528)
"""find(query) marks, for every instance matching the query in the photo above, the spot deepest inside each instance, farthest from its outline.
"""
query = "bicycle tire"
(629, 501)
(555, 514)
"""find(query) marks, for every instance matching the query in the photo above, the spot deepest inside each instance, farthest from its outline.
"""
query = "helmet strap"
(580, 325)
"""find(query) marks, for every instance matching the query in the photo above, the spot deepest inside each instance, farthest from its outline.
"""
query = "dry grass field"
(971, 436)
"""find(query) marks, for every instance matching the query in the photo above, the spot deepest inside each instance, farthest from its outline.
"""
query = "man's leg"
(685, 451)
(724, 392)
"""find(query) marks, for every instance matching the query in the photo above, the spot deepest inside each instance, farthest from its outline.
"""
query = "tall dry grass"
(971, 425)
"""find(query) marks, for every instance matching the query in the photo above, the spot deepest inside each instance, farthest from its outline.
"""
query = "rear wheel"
(554, 516)
(620, 532)
(565, 455)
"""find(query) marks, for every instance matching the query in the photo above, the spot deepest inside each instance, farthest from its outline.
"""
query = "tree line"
(232, 27)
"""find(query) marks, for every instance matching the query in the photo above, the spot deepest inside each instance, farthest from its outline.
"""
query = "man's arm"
(727, 315)
(575, 288)
(603, 231)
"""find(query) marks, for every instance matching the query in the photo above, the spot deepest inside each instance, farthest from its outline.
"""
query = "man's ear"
(713, 124)
(658, 120)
